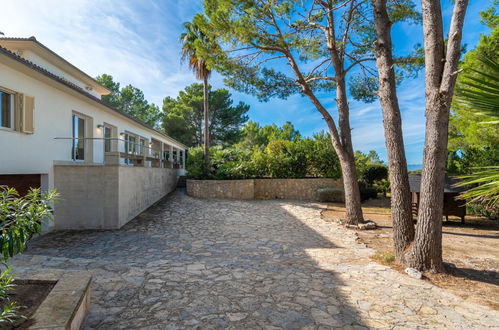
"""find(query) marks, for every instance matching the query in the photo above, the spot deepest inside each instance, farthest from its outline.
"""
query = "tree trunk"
(353, 206)
(206, 128)
(403, 227)
(440, 78)
(347, 160)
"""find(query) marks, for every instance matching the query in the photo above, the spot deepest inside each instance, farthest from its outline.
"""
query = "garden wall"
(232, 189)
(297, 189)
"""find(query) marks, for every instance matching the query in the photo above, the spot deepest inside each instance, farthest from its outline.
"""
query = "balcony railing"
(133, 153)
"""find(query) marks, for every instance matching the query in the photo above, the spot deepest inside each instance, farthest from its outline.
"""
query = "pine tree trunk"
(206, 128)
(342, 141)
(353, 204)
(440, 77)
(403, 227)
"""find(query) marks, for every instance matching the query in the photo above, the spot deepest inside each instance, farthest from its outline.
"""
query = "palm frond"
(485, 187)
(480, 92)
(192, 39)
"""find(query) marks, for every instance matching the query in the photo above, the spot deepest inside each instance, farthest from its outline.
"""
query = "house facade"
(56, 132)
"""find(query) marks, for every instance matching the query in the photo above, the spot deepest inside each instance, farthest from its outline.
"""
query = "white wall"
(36, 59)
(23, 154)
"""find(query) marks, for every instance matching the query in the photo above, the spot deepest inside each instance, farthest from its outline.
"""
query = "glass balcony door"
(78, 148)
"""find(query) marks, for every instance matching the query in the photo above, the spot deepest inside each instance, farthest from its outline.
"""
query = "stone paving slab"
(213, 264)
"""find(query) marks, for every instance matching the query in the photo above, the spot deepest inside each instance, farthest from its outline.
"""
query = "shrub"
(329, 195)
(382, 186)
(194, 163)
(373, 173)
(20, 219)
(279, 159)
(322, 159)
(229, 163)
(481, 211)
(285, 159)
(368, 193)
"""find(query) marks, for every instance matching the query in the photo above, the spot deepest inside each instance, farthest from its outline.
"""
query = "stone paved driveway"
(190, 263)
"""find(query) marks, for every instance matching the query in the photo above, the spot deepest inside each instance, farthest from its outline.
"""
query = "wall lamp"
(100, 126)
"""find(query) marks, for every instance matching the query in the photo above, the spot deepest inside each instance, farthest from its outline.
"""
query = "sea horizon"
(413, 167)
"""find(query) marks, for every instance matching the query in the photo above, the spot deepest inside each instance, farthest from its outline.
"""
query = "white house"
(56, 132)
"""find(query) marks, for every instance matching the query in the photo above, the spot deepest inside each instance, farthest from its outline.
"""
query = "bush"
(322, 159)
(368, 193)
(481, 211)
(279, 159)
(195, 163)
(20, 219)
(373, 173)
(382, 186)
(329, 195)
(285, 159)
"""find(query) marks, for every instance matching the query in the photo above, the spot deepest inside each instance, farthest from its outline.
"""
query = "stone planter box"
(297, 189)
(67, 304)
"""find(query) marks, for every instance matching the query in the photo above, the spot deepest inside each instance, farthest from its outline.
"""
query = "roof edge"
(76, 88)
(45, 48)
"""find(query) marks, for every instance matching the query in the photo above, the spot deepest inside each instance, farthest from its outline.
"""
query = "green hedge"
(279, 159)
(329, 195)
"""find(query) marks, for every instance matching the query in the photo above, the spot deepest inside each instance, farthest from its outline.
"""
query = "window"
(78, 149)
(130, 143)
(6, 110)
(142, 147)
(107, 138)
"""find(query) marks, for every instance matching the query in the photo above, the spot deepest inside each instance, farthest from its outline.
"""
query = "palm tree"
(193, 40)
(481, 95)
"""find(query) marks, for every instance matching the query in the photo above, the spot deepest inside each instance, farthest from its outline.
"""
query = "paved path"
(190, 263)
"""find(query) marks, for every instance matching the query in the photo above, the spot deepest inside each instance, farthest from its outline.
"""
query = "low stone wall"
(230, 189)
(297, 189)
(107, 197)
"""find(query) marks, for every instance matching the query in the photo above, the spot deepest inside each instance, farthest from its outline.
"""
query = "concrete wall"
(298, 189)
(107, 197)
(140, 187)
(232, 189)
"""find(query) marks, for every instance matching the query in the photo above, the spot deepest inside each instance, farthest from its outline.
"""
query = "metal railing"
(139, 150)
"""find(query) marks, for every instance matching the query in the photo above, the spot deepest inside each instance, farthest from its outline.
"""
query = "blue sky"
(137, 42)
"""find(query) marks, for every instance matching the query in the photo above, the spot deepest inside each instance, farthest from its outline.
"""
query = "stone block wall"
(107, 197)
(297, 189)
(230, 189)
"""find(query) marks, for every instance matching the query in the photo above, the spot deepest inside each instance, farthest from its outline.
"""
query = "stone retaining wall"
(231, 189)
(297, 189)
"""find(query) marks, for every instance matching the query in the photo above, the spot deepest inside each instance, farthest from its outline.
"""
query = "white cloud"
(136, 42)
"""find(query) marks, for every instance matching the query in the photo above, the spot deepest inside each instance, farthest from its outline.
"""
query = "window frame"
(73, 144)
(112, 143)
(13, 104)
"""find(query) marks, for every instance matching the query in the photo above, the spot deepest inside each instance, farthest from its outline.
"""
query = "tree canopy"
(259, 35)
(254, 135)
(183, 116)
(130, 100)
